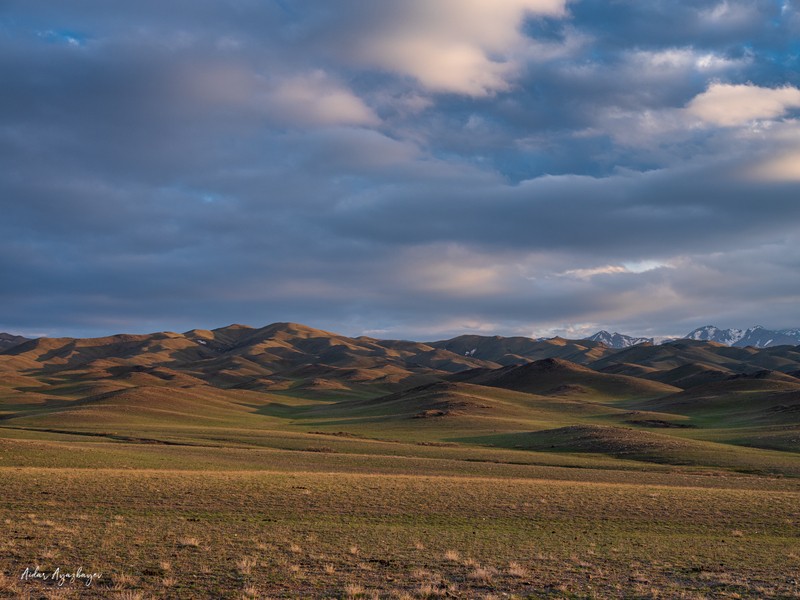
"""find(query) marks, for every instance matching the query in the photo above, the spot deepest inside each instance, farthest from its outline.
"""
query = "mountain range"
(516, 350)
(513, 392)
(285, 356)
(757, 336)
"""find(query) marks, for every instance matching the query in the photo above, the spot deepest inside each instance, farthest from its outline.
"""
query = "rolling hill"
(520, 350)
(679, 353)
(554, 376)
(686, 402)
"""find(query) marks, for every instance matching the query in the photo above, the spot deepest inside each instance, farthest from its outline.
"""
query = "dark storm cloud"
(167, 166)
(694, 206)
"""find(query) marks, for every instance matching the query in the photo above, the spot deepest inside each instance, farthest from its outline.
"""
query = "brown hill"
(438, 399)
(136, 405)
(520, 350)
(8, 340)
(709, 354)
(55, 354)
(304, 362)
(553, 376)
(284, 346)
(625, 443)
(691, 375)
(278, 356)
(629, 369)
(738, 401)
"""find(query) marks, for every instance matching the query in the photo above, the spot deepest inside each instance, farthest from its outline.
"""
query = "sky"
(410, 169)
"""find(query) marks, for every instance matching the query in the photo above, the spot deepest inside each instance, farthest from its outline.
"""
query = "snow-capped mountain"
(617, 340)
(756, 336)
(709, 333)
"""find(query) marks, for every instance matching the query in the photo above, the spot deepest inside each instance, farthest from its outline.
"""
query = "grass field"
(177, 521)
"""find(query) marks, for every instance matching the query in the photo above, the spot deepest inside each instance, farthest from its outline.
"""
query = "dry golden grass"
(123, 580)
(516, 570)
(246, 564)
(420, 574)
(431, 590)
(481, 574)
(250, 593)
(353, 590)
(452, 555)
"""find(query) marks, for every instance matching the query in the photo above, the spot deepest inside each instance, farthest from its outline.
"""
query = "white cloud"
(730, 14)
(731, 105)
(647, 118)
(462, 46)
(641, 266)
(589, 273)
(316, 99)
(570, 331)
(682, 60)
(748, 113)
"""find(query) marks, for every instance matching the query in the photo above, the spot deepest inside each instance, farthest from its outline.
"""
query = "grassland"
(311, 515)
(259, 533)
(438, 476)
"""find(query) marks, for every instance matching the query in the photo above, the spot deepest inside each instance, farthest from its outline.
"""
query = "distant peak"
(294, 329)
(289, 326)
(618, 340)
(231, 326)
(757, 336)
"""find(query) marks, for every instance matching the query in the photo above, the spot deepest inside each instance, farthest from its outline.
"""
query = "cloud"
(731, 14)
(731, 105)
(589, 273)
(681, 60)
(317, 100)
(629, 267)
(410, 167)
(307, 99)
(451, 271)
(466, 47)
(784, 167)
